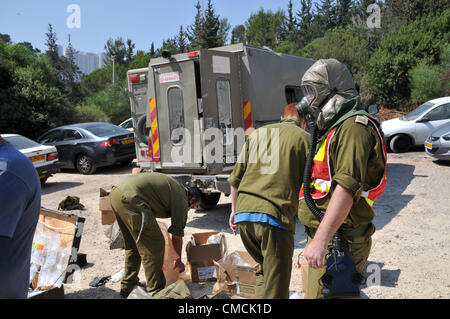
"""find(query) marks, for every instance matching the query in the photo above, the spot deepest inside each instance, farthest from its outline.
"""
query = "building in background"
(87, 62)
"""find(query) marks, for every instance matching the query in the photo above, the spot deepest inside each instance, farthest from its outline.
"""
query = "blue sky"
(142, 21)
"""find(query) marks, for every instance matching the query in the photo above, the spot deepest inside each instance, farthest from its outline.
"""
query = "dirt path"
(409, 260)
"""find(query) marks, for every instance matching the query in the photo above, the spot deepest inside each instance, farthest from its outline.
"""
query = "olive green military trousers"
(359, 241)
(148, 250)
(272, 248)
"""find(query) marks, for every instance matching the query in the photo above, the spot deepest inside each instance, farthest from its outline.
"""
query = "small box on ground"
(236, 274)
(54, 253)
(108, 217)
(202, 255)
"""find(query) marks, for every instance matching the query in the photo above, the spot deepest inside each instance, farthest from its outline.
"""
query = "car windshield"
(21, 142)
(105, 129)
(417, 112)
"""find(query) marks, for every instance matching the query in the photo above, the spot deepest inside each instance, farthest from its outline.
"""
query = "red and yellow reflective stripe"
(248, 124)
(154, 129)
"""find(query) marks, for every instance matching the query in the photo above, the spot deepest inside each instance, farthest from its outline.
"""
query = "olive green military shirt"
(357, 164)
(158, 193)
(269, 171)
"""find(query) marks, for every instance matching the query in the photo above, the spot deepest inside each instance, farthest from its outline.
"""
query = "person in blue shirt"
(265, 184)
(20, 202)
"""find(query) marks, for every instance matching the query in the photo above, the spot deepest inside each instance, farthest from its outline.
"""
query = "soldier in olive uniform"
(136, 201)
(349, 170)
(264, 196)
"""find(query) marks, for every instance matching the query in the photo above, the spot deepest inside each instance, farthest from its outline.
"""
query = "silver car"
(437, 144)
(414, 128)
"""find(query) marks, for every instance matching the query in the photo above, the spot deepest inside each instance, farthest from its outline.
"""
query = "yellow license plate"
(428, 145)
(128, 141)
(37, 158)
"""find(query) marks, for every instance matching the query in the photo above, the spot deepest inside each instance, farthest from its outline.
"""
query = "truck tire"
(209, 201)
(400, 144)
(141, 130)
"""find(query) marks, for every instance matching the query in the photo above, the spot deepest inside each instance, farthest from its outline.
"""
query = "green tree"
(5, 38)
(265, 28)
(113, 101)
(304, 20)
(52, 50)
(30, 98)
(238, 34)
(195, 30)
(117, 49)
(141, 60)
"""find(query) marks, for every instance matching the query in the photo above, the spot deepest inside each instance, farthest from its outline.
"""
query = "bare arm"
(340, 204)
(177, 242)
(233, 195)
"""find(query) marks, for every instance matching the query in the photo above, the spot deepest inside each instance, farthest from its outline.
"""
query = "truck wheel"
(141, 130)
(85, 164)
(209, 201)
(400, 144)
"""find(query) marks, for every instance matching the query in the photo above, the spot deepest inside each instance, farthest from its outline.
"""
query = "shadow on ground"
(392, 201)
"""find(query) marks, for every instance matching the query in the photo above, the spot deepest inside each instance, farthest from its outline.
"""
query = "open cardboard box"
(235, 279)
(201, 257)
(104, 206)
(70, 228)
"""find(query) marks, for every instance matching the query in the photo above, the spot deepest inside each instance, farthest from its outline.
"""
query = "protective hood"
(322, 77)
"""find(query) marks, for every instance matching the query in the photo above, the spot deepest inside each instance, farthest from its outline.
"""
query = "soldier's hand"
(315, 253)
(233, 226)
(179, 266)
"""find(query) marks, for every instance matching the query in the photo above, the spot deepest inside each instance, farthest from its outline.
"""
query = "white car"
(128, 125)
(414, 128)
(43, 157)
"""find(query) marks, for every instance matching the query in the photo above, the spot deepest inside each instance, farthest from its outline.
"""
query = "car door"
(430, 121)
(68, 145)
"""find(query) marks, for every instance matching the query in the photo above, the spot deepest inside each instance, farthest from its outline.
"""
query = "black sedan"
(87, 146)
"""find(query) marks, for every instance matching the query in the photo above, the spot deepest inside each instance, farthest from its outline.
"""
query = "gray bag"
(115, 236)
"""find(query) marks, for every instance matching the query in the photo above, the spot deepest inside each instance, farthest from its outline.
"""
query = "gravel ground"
(410, 257)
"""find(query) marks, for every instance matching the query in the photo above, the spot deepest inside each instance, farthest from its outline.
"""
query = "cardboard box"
(235, 279)
(304, 267)
(201, 257)
(70, 228)
(108, 217)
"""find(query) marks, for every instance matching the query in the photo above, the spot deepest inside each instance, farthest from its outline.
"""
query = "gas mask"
(324, 86)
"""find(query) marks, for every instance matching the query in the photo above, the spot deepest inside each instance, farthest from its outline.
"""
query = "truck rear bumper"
(205, 183)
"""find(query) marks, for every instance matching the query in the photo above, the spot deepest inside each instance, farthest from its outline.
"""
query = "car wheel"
(85, 164)
(209, 201)
(400, 144)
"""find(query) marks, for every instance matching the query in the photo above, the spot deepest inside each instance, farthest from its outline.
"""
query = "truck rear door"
(222, 103)
(177, 115)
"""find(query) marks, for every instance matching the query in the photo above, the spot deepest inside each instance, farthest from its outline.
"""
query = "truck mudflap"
(206, 183)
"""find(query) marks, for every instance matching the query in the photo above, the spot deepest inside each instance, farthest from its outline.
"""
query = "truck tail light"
(192, 54)
(52, 156)
(134, 78)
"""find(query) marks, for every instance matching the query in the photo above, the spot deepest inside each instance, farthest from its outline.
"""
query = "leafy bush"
(419, 42)
(90, 113)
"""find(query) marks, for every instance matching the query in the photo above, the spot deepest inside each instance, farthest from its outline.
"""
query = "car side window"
(442, 112)
(69, 135)
(51, 137)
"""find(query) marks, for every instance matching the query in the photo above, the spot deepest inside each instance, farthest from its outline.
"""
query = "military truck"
(193, 111)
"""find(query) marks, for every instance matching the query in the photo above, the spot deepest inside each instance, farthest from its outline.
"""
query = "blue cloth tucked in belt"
(256, 217)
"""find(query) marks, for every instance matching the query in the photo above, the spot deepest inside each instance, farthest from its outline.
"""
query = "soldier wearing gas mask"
(347, 172)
